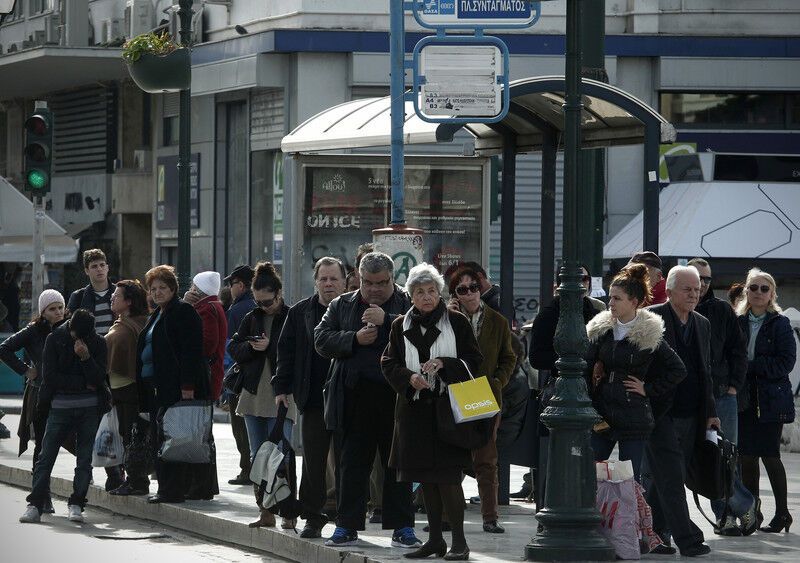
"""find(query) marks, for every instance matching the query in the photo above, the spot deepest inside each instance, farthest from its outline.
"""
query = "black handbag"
(466, 435)
(140, 452)
(712, 470)
(234, 379)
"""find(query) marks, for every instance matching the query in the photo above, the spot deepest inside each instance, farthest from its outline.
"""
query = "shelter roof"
(610, 117)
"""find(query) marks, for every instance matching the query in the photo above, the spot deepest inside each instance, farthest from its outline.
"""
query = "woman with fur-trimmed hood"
(634, 372)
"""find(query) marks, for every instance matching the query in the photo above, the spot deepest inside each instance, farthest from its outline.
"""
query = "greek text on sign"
(460, 80)
(476, 13)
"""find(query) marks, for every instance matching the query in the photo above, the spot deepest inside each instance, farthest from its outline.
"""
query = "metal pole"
(184, 225)
(569, 516)
(37, 269)
(397, 35)
(507, 226)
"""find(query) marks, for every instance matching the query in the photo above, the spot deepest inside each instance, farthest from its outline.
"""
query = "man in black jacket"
(75, 392)
(95, 297)
(301, 373)
(239, 281)
(360, 403)
(680, 424)
(728, 373)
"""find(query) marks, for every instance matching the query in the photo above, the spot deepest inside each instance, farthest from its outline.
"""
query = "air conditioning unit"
(139, 17)
(112, 30)
(142, 160)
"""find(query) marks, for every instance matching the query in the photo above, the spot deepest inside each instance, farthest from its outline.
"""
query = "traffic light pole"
(184, 224)
(37, 264)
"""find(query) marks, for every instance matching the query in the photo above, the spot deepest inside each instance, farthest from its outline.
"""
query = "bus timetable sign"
(454, 14)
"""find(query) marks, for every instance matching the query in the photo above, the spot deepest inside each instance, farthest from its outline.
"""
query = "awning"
(16, 231)
(536, 103)
(756, 221)
(41, 70)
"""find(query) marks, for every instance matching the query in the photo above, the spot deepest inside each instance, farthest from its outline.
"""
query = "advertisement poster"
(344, 203)
(167, 192)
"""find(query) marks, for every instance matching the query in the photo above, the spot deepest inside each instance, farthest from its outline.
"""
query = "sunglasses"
(471, 288)
(755, 287)
(266, 303)
(705, 279)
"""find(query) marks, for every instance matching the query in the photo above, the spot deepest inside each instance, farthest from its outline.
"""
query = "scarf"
(475, 320)
(443, 347)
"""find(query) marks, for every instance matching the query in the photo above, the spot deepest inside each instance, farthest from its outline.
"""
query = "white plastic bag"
(108, 447)
(611, 470)
(616, 502)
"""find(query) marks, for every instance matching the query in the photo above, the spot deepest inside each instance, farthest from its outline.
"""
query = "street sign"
(460, 78)
(472, 14)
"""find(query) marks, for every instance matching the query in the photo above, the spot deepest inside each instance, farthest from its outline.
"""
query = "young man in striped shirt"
(95, 297)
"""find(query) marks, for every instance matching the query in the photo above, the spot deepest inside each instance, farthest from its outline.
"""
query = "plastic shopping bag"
(616, 502)
(611, 470)
(185, 432)
(649, 538)
(108, 447)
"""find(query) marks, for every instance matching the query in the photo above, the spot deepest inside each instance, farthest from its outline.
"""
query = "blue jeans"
(741, 500)
(259, 429)
(632, 450)
(60, 423)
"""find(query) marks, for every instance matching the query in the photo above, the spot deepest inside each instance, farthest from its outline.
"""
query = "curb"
(287, 545)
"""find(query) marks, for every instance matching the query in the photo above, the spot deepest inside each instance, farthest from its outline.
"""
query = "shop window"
(735, 110)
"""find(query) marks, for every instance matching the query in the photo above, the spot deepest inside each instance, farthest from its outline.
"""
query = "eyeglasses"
(755, 287)
(266, 303)
(471, 288)
(705, 279)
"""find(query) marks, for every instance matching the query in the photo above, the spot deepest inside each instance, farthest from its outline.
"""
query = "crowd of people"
(362, 367)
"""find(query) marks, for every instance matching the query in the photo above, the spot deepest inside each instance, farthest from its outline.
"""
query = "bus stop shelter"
(535, 123)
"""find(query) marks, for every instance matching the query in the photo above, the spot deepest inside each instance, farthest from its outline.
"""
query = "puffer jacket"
(643, 354)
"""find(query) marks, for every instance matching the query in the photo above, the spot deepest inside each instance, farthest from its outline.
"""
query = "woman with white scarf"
(429, 348)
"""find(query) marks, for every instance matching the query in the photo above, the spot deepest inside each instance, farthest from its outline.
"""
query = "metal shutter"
(267, 119)
(84, 130)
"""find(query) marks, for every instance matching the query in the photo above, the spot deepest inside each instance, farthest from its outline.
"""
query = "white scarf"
(443, 347)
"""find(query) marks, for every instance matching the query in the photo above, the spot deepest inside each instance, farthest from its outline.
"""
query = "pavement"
(225, 518)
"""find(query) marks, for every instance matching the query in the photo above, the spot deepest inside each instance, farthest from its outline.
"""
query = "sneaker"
(76, 513)
(404, 537)
(342, 537)
(728, 527)
(31, 515)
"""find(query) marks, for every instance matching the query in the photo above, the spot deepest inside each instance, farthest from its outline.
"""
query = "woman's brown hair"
(133, 291)
(266, 278)
(162, 273)
(635, 282)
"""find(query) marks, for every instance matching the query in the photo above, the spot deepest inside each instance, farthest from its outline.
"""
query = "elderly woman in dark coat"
(767, 394)
(430, 347)
(170, 368)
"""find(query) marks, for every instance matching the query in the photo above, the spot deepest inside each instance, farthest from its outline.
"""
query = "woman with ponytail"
(633, 369)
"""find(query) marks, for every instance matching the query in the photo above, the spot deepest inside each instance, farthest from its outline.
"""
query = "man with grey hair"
(728, 373)
(691, 411)
(359, 403)
(300, 376)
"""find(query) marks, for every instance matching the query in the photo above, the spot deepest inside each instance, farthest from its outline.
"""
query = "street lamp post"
(569, 516)
(185, 120)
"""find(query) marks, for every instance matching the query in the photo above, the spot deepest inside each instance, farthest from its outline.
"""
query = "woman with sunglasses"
(494, 340)
(255, 348)
(767, 394)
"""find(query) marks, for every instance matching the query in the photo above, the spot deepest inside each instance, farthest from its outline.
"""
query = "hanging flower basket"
(157, 64)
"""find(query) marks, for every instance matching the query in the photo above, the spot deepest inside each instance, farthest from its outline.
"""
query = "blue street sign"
(473, 14)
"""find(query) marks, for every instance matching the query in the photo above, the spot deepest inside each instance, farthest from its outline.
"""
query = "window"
(16, 13)
(38, 6)
(742, 110)
(172, 130)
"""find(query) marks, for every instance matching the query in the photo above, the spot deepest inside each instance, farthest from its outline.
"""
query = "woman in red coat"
(204, 297)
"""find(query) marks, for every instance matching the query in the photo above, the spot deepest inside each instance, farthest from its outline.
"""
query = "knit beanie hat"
(48, 297)
(208, 282)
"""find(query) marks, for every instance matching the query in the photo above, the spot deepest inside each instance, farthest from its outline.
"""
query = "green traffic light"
(37, 179)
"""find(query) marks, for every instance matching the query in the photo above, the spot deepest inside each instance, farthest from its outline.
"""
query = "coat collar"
(646, 333)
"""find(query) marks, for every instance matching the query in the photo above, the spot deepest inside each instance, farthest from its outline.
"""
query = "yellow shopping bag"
(472, 400)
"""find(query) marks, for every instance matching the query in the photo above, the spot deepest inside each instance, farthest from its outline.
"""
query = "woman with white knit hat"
(31, 340)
